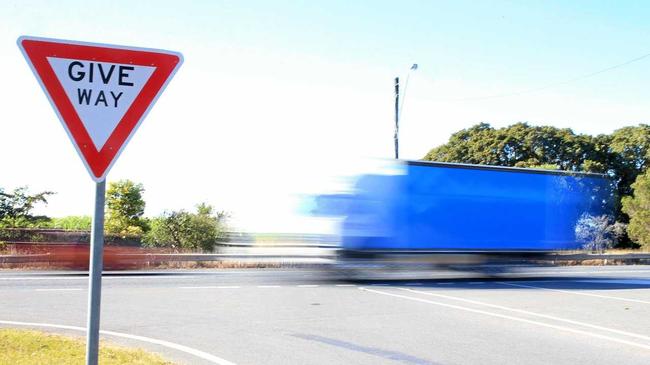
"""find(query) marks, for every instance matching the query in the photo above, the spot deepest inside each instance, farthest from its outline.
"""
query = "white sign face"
(100, 92)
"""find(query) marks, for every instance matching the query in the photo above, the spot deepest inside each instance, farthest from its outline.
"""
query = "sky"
(278, 100)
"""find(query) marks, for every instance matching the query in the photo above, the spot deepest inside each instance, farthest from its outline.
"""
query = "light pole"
(398, 106)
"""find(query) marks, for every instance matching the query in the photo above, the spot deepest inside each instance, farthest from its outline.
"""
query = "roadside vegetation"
(25, 347)
(69, 223)
(125, 221)
(185, 230)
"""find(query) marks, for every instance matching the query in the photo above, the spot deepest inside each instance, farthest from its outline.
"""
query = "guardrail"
(80, 261)
(39, 258)
(200, 257)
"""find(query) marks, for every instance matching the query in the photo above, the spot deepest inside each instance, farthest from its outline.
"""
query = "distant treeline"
(125, 220)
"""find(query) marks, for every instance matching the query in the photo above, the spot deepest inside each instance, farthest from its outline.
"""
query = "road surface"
(562, 315)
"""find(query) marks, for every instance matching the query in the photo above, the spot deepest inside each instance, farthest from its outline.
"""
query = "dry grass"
(24, 347)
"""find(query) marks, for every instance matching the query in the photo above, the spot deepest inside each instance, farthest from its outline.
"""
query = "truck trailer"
(436, 209)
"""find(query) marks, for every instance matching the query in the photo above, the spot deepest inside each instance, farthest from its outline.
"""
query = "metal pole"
(95, 275)
(396, 117)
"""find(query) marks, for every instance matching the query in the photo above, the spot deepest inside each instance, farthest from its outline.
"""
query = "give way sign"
(101, 93)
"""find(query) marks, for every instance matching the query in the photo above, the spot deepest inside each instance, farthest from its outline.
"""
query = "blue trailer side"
(457, 207)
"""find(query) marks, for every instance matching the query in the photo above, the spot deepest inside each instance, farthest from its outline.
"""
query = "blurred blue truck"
(430, 207)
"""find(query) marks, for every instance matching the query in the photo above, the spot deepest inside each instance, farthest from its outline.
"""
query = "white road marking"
(584, 272)
(45, 278)
(150, 275)
(60, 289)
(119, 277)
(166, 275)
(345, 285)
(85, 278)
(575, 292)
(211, 287)
(620, 332)
(617, 281)
(492, 314)
(188, 350)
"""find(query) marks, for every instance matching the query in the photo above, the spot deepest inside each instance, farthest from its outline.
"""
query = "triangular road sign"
(100, 92)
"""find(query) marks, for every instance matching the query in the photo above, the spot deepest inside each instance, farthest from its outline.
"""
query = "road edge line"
(182, 348)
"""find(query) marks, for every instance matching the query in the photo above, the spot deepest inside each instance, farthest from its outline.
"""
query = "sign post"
(101, 93)
(95, 275)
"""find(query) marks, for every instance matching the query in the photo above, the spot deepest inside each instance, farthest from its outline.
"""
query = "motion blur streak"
(446, 214)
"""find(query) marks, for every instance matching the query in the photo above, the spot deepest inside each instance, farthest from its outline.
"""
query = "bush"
(184, 230)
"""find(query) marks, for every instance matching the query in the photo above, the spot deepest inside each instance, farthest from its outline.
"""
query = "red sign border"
(37, 49)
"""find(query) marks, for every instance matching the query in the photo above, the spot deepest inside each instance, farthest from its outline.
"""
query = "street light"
(398, 106)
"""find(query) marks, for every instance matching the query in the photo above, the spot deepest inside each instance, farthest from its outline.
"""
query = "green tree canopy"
(629, 154)
(638, 208)
(16, 207)
(125, 208)
(521, 145)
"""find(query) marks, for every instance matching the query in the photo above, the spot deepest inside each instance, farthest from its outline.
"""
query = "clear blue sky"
(274, 97)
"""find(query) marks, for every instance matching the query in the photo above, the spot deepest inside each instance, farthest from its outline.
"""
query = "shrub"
(184, 230)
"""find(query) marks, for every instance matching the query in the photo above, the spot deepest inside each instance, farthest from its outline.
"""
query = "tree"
(125, 209)
(184, 230)
(629, 148)
(16, 207)
(475, 145)
(521, 145)
(598, 233)
(638, 208)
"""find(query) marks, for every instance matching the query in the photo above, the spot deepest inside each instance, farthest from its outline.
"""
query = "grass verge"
(23, 347)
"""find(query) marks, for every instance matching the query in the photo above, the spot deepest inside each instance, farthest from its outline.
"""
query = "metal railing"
(266, 257)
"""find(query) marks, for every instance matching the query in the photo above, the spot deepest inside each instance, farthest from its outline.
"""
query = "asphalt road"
(563, 315)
